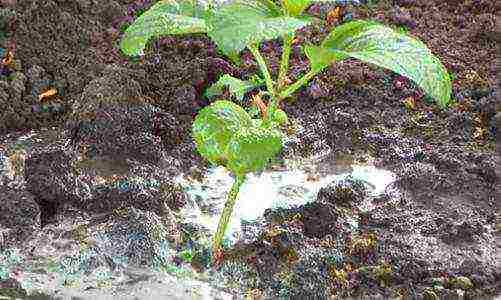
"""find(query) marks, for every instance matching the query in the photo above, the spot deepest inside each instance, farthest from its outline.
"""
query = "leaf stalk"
(263, 67)
(284, 63)
(298, 84)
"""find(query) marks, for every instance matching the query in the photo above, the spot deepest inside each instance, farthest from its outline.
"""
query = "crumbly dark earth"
(445, 225)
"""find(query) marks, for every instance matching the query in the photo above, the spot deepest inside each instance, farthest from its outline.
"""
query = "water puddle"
(292, 186)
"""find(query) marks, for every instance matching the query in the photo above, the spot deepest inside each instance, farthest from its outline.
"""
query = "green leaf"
(257, 122)
(321, 57)
(166, 17)
(186, 255)
(214, 126)
(296, 7)
(251, 149)
(234, 26)
(280, 117)
(275, 10)
(235, 57)
(377, 44)
(237, 87)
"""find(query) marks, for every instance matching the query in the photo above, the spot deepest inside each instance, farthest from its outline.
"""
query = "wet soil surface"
(87, 186)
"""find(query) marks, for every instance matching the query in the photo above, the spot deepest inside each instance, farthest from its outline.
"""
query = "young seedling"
(224, 133)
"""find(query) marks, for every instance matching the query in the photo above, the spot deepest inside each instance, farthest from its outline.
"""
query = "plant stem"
(296, 85)
(284, 63)
(228, 209)
(273, 105)
(262, 65)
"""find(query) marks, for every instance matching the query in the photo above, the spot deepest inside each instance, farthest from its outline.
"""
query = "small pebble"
(316, 91)
(36, 109)
(404, 18)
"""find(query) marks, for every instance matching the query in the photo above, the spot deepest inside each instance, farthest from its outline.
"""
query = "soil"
(134, 116)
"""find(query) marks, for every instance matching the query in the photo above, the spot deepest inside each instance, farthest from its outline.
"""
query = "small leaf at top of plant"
(234, 26)
(163, 18)
(236, 87)
(375, 43)
(214, 126)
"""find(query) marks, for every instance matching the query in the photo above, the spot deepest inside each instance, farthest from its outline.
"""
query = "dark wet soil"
(446, 225)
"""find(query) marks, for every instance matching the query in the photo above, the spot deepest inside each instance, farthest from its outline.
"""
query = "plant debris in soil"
(120, 131)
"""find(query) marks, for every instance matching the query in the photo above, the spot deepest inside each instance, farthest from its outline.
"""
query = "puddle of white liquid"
(270, 189)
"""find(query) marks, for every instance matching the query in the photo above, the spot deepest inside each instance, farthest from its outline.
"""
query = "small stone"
(56, 108)
(196, 173)
(345, 193)
(404, 18)
(36, 109)
(316, 90)
(398, 83)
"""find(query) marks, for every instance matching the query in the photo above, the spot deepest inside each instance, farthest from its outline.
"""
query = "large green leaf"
(274, 9)
(214, 126)
(375, 43)
(166, 17)
(234, 26)
(251, 148)
(236, 87)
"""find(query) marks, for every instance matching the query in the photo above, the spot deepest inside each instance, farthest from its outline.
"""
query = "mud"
(94, 165)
